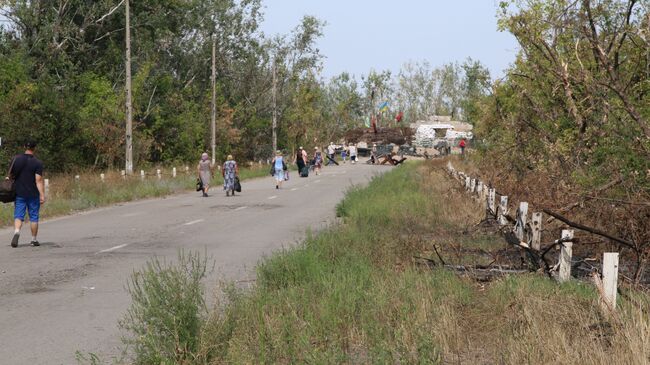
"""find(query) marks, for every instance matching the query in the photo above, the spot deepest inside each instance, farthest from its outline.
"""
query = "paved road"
(68, 294)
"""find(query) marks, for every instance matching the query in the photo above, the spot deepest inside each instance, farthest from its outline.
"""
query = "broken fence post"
(610, 278)
(503, 210)
(565, 256)
(468, 182)
(472, 186)
(536, 224)
(522, 213)
(479, 188)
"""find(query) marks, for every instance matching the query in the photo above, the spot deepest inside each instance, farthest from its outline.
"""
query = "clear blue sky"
(361, 34)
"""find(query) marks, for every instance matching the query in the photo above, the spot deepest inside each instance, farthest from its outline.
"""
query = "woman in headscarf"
(205, 172)
(318, 160)
(300, 159)
(279, 166)
(229, 172)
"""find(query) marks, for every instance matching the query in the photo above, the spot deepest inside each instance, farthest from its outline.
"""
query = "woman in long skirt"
(229, 172)
(204, 170)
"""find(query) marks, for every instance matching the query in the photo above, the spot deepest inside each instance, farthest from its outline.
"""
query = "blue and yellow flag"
(383, 107)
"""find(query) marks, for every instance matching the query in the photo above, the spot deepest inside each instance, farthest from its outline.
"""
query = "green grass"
(353, 294)
(68, 196)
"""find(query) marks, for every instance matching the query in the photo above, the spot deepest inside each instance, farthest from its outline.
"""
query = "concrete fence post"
(610, 278)
(522, 216)
(123, 172)
(174, 172)
(47, 187)
(142, 174)
(491, 202)
(503, 210)
(565, 256)
(102, 177)
(159, 174)
(536, 224)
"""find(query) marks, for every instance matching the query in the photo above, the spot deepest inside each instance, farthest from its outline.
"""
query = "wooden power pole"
(129, 107)
(275, 110)
(214, 98)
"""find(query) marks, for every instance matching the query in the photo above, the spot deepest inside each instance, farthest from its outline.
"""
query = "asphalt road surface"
(69, 294)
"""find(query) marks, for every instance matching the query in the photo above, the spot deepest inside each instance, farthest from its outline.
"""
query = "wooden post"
(536, 223)
(503, 210)
(213, 106)
(565, 256)
(142, 174)
(102, 177)
(492, 207)
(127, 86)
(610, 278)
(174, 172)
(522, 215)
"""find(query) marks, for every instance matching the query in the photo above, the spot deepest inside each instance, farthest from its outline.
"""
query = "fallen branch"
(595, 231)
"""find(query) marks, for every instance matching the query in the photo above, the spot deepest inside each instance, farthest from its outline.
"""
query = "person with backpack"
(27, 171)
(462, 146)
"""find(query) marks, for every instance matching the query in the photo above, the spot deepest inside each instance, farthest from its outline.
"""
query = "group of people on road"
(229, 172)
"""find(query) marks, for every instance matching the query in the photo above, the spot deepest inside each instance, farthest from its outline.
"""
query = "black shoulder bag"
(8, 186)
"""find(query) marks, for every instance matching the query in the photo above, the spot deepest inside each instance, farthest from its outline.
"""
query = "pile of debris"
(397, 136)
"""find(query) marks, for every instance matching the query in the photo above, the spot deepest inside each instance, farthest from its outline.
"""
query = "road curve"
(68, 294)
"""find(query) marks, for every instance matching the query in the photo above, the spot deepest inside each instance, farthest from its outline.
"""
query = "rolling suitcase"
(304, 172)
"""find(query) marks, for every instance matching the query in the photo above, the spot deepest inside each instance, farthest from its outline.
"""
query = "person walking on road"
(27, 171)
(229, 171)
(318, 160)
(353, 153)
(344, 153)
(301, 159)
(279, 167)
(205, 173)
(331, 150)
(462, 146)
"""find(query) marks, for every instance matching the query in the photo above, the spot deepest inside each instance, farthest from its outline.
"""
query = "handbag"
(284, 166)
(272, 170)
(199, 184)
(8, 186)
(237, 184)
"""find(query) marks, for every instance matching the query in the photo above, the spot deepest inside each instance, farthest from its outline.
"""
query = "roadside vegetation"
(358, 294)
(67, 195)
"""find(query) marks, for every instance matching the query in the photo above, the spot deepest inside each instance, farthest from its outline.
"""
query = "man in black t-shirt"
(30, 191)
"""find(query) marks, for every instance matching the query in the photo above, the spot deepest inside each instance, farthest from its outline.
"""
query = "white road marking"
(273, 197)
(241, 208)
(132, 214)
(113, 248)
(193, 222)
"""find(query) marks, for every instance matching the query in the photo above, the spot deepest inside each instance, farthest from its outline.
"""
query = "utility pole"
(129, 108)
(275, 110)
(214, 98)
